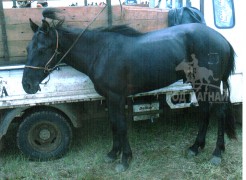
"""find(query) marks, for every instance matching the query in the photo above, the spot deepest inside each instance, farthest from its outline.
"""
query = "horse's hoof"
(216, 160)
(121, 168)
(191, 154)
(108, 159)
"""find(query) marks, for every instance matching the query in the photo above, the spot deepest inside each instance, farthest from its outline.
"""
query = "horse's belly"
(148, 83)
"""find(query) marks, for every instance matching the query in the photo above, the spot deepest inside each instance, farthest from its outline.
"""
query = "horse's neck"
(83, 54)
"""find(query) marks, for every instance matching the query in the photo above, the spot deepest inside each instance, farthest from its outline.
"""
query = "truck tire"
(44, 135)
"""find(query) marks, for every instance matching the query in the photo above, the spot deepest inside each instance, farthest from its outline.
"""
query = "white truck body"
(63, 86)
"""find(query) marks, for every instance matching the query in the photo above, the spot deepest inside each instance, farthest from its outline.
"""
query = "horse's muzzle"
(30, 88)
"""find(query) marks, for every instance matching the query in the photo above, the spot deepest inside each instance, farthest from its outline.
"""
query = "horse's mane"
(56, 15)
(121, 29)
(53, 14)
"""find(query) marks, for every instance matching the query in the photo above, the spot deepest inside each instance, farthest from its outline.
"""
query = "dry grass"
(159, 151)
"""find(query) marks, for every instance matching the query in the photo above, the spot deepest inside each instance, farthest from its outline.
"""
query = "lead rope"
(46, 81)
(76, 40)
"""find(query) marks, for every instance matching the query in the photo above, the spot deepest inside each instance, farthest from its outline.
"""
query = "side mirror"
(224, 15)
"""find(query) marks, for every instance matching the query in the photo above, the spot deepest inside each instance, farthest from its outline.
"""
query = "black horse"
(122, 63)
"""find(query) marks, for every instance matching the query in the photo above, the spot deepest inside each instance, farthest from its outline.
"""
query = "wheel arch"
(66, 109)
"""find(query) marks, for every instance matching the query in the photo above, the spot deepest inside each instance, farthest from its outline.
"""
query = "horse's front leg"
(116, 106)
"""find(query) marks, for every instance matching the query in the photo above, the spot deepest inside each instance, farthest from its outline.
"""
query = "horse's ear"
(34, 26)
(45, 26)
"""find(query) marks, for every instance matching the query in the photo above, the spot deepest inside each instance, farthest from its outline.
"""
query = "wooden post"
(202, 6)
(110, 19)
(4, 33)
(14, 4)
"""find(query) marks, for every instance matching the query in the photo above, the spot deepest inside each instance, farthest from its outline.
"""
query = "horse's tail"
(230, 65)
(229, 118)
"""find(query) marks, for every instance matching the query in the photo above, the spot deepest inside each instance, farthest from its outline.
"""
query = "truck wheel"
(44, 135)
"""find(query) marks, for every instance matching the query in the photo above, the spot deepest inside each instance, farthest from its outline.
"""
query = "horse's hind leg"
(203, 111)
(219, 113)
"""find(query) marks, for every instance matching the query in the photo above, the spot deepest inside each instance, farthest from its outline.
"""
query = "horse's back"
(155, 55)
(192, 29)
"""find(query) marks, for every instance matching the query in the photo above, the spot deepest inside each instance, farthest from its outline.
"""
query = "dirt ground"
(159, 150)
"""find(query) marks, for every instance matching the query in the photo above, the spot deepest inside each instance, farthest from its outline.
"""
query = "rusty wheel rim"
(44, 136)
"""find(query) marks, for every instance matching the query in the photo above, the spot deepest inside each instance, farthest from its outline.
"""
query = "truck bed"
(64, 85)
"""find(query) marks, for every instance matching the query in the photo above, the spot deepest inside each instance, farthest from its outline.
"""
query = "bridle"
(47, 69)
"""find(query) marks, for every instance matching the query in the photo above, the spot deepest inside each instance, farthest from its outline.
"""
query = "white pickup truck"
(68, 96)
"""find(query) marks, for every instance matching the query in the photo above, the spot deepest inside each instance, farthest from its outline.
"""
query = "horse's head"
(41, 56)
